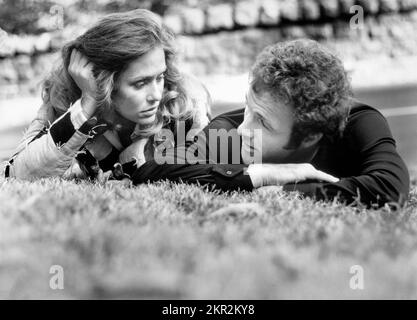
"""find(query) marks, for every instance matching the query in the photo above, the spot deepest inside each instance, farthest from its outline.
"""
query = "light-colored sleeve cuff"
(255, 174)
(78, 116)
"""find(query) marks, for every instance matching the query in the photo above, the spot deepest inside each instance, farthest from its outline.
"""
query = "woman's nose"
(155, 92)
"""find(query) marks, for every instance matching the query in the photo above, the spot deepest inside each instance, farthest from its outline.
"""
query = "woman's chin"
(147, 121)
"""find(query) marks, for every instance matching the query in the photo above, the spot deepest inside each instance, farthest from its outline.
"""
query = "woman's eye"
(139, 85)
(161, 77)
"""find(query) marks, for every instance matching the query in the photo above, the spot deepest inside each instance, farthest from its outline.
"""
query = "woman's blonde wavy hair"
(111, 44)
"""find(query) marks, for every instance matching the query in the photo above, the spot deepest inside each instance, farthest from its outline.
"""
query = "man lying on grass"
(300, 101)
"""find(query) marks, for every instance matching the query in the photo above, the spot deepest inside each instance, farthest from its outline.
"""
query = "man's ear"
(311, 139)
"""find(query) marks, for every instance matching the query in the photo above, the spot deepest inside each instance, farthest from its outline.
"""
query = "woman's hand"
(105, 178)
(139, 151)
(81, 71)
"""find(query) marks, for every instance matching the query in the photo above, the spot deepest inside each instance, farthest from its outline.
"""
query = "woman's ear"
(311, 139)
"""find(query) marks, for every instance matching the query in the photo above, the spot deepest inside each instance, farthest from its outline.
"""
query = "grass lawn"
(179, 241)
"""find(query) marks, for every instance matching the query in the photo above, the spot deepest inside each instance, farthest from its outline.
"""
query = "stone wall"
(224, 38)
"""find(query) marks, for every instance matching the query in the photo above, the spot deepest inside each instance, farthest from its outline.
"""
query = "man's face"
(140, 87)
(266, 115)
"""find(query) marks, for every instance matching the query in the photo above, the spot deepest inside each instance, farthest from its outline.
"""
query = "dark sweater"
(364, 158)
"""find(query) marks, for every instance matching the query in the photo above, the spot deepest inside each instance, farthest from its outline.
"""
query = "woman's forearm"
(53, 152)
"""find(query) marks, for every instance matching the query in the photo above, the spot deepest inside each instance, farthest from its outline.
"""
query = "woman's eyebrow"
(147, 78)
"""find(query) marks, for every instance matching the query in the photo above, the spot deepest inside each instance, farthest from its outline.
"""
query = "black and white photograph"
(199, 150)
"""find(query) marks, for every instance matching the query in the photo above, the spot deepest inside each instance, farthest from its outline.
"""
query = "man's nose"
(155, 92)
(242, 129)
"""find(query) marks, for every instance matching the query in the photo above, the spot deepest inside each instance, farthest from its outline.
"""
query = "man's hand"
(81, 71)
(280, 174)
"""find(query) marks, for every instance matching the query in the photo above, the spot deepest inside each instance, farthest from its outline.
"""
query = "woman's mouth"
(148, 113)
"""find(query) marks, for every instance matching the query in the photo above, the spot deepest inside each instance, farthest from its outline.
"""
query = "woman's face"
(140, 87)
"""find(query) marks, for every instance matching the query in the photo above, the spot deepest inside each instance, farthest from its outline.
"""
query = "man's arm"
(204, 170)
(225, 177)
(179, 164)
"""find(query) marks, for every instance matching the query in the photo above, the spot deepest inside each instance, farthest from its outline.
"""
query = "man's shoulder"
(360, 109)
(363, 116)
(366, 125)
(228, 120)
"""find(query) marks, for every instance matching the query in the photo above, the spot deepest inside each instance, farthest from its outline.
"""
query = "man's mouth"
(247, 143)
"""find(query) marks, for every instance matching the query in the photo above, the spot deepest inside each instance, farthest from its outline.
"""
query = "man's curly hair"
(305, 75)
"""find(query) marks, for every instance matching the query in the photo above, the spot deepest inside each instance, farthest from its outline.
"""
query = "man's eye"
(261, 121)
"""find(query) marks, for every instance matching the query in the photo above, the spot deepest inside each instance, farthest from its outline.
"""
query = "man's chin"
(248, 159)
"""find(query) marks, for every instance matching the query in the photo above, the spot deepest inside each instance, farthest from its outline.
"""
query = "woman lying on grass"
(116, 88)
